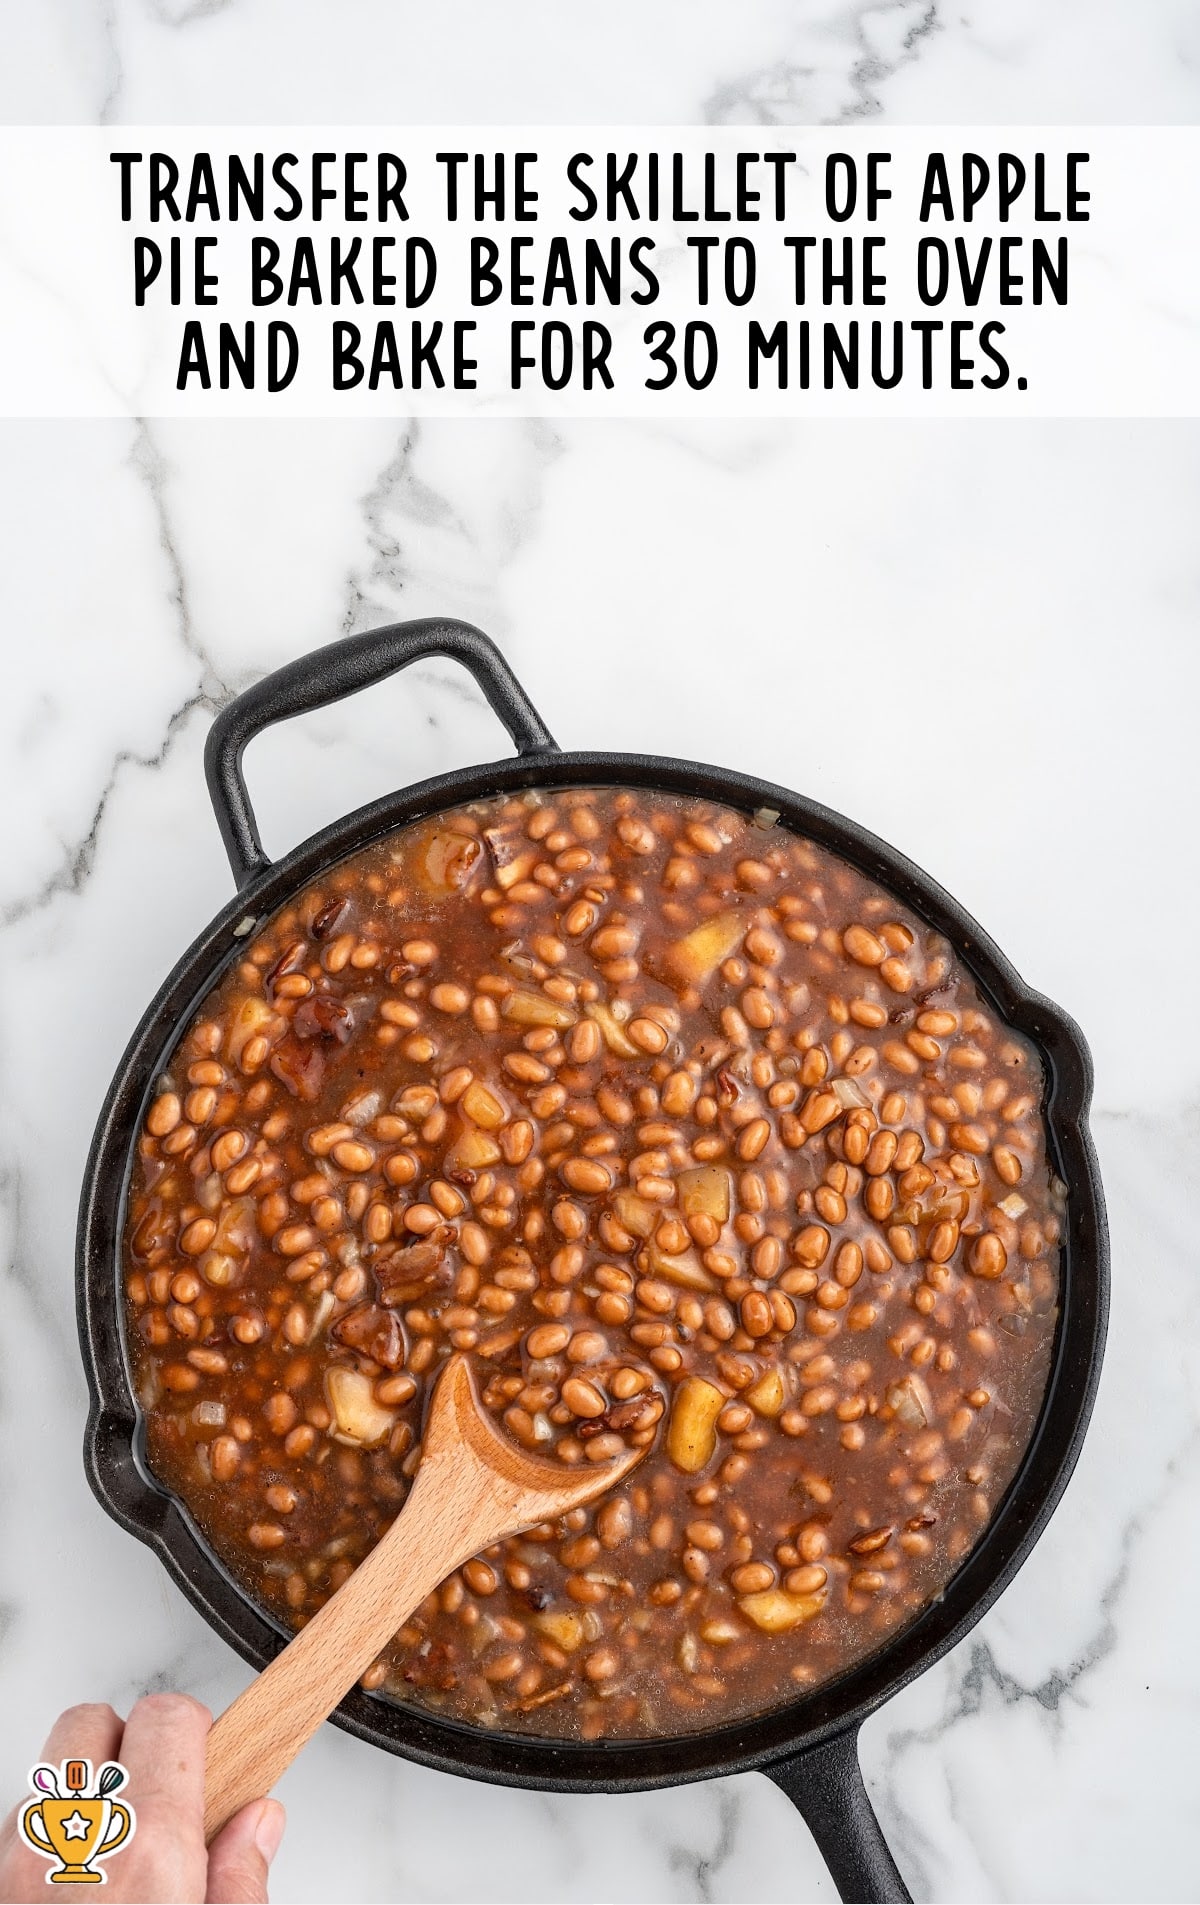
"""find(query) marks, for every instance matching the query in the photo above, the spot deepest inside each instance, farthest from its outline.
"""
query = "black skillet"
(808, 1746)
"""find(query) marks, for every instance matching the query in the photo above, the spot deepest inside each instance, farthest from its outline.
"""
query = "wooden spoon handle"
(259, 1735)
(473, 1487)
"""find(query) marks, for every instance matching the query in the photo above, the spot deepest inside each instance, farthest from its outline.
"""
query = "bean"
(1007, 1163)
(265, 1534)
(582, 1398)
(756, 1315)
(450, 999)
(579, 919)
(280, 1412)
(648, 1035)
(863, 947)
(943, 1242)
(705, 1534)
(988, 1257)
(829, 1204)
(224, 1457)
(549, 1339)
(480, 1578)
(783, 1311)
(587, 1175)
(584, 1042)
(421, 1219)
(586, 1346)
(395, 1391)
(351, 1156)
(753, 1577)
(164, 1114)
(820, 1109)
(604, 1448)
(753, 1140)
(881, 1153)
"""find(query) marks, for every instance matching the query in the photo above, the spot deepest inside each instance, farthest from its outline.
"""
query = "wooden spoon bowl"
(473, 1487)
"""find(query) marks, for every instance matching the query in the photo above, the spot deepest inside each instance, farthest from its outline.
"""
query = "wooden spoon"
(473, 1487)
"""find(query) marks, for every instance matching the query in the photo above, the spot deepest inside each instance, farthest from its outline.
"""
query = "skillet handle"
(825, 1782)
(328, 674)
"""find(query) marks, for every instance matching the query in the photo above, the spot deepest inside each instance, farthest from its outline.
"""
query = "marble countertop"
(868, 612)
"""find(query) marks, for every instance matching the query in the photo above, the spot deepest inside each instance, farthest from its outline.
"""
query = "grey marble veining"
(640, 61)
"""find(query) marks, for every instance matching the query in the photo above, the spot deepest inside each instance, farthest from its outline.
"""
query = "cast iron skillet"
(808, 1746)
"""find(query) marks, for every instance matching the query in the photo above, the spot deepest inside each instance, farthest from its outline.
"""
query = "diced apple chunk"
(685, 1269)
(766, 1395)
(692, 1434)
(776, 1612)
(613, 1032)
(357, 1417)
(536, 1008)
(482, 1107)
(564, 1629)
(705, 1192)
(636, 1214)
(472, 1150)
(696, 956)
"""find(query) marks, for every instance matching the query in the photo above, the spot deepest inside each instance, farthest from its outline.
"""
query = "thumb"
(242, 1851)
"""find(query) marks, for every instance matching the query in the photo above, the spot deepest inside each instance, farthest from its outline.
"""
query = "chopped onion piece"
(514, 954)
(326, 1304)
(149, 1389)
(848, 1093)
(1013, 1205)
(210, 1415)
(912, 1403)
(611, 1027)
(766, 818)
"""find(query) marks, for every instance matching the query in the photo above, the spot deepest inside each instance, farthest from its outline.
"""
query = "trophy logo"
(73, 1823)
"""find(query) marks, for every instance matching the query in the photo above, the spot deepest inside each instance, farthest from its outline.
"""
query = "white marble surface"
(915, 600)
(637, 61)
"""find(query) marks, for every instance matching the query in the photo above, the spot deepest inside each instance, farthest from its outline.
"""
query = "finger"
(241, 1853)
(162, 1750)
(91, 1731)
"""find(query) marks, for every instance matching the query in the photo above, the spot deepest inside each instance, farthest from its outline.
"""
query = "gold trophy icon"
(79, 1826)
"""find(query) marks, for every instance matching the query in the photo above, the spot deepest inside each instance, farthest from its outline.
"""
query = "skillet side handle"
(826, 1784)
(329, 674)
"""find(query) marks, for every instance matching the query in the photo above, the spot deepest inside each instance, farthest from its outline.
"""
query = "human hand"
(161, 1746)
